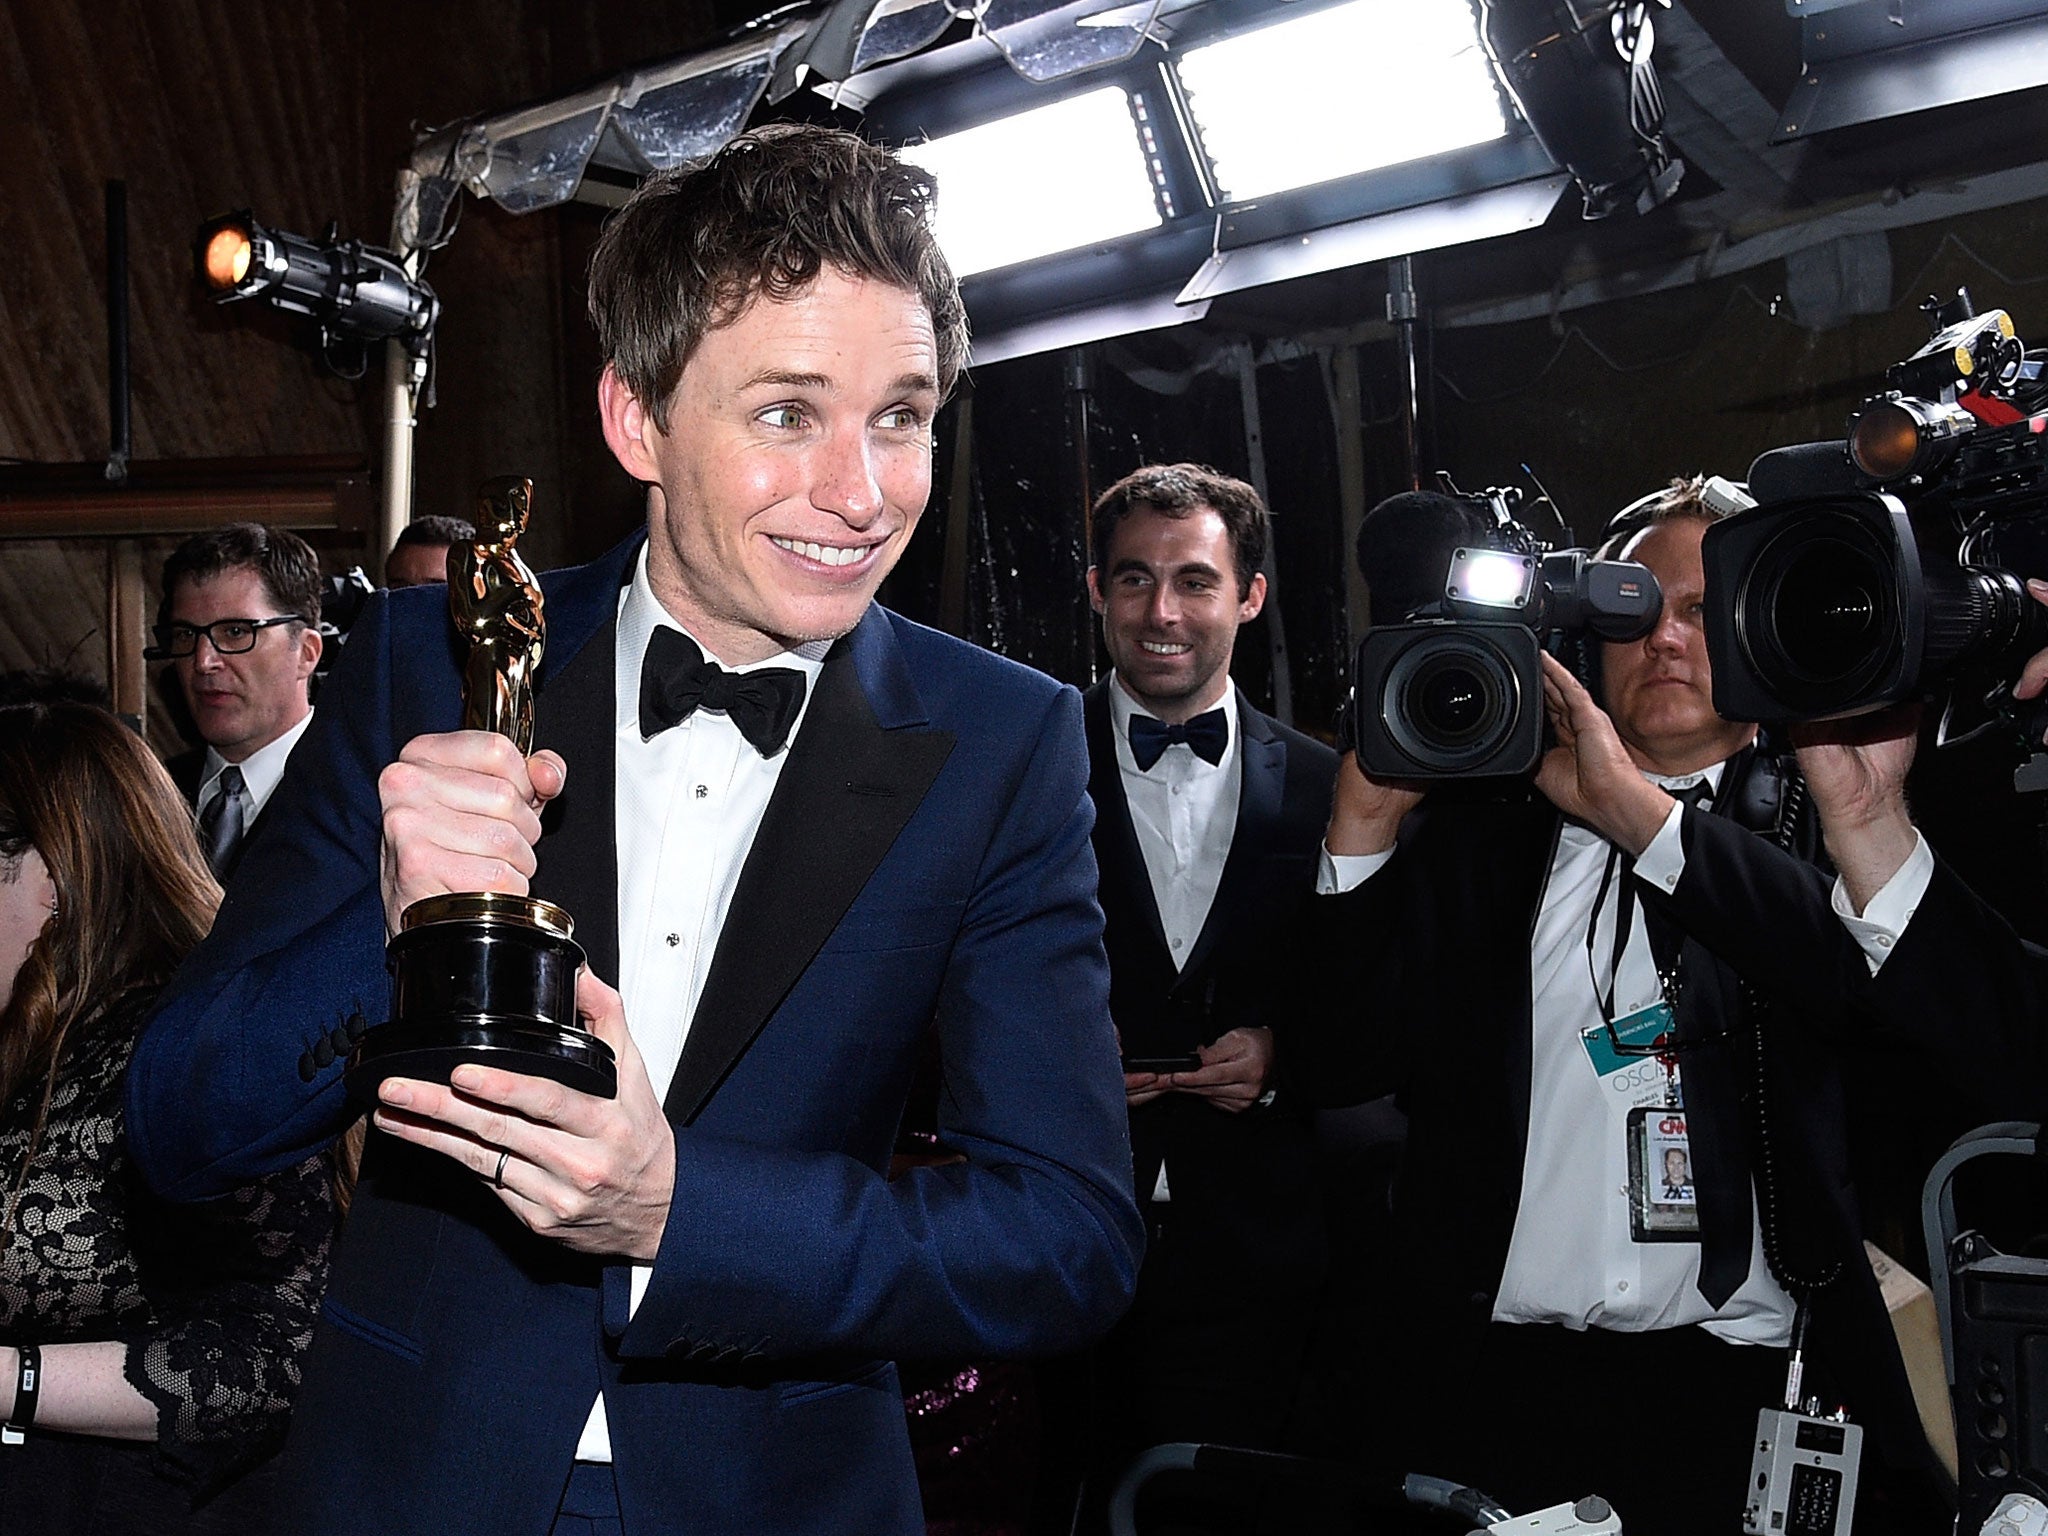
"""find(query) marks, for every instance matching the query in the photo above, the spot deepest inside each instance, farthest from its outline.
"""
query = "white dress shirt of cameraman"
(1613, 773)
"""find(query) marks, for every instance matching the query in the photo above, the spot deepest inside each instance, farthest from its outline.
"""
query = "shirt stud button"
(674, 939)
(703, 790)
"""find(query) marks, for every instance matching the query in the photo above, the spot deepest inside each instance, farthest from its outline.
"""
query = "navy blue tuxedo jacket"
(1245, 1188)
(924, 867)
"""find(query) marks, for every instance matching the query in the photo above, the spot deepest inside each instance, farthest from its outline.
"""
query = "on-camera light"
(1491, 577)
(1901, 435)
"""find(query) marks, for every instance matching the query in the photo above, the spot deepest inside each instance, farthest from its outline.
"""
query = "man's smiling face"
(795, 464)
(1171, 606)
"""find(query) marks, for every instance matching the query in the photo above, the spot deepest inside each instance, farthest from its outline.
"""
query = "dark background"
(304, 114)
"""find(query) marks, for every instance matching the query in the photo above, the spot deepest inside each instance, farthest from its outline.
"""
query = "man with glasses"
(240, 625)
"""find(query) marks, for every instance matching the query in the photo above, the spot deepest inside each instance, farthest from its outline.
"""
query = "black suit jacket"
(1438, 942)
(1247, 1217)
(186, 770)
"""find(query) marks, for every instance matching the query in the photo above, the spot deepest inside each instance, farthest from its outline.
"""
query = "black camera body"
(1455, 691)
(1897, 566)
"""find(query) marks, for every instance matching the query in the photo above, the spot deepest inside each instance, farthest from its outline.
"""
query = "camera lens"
(1827, 607)
(1817, 612)
(1450, 700)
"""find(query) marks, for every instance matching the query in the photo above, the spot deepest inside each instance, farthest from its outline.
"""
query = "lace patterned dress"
(216, 1303)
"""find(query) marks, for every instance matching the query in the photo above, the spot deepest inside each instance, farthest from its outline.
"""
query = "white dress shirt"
(1184, 811)
(1575, 1204)
(688, 804)
(261, 771)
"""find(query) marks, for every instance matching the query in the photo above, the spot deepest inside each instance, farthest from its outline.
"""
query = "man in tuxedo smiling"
(1209, 818)
(803, 834)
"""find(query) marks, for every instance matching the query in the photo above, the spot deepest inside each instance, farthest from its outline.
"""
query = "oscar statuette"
(480, 976)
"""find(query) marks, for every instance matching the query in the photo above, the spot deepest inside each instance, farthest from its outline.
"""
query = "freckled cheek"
(905, 474)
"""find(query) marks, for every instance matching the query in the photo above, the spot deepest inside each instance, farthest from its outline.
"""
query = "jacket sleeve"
(1765, 913)
(1961, 988)
(1344, 989)
(1973, 995)
(1031, 1243)
(238, 1075)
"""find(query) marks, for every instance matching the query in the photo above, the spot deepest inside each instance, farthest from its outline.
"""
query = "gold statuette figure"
(495, 600)
(483, 976)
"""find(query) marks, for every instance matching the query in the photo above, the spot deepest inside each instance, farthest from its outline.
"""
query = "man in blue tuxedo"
(675, 1311)
(1209, 826)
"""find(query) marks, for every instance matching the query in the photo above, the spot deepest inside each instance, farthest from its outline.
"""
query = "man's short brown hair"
(764, 215)
(1179, 490)
(435, 528)
(286, 562)
(1684, 497)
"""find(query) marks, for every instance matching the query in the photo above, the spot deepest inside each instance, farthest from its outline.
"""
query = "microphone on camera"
(1803, 469)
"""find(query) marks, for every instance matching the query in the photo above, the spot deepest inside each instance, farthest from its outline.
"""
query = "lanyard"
(1624, 926)
(1671, 978)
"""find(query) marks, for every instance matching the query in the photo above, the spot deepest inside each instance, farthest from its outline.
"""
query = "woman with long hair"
(149, 1352)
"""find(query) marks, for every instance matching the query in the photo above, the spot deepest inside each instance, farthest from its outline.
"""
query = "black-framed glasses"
(228, 637)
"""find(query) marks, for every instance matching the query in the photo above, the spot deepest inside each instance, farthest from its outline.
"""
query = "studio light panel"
(1339, 91)
(1051, 179)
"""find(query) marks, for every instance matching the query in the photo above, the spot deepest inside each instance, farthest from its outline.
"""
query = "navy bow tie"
(1206, 735)
(676, 681)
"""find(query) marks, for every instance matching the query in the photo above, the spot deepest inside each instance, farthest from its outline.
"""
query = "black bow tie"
(676, 680)
(1207, 735)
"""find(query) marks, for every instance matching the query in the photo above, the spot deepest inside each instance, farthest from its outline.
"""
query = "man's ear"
(311, 644)
(1095, 592)
(1254, 598)
(629, 427)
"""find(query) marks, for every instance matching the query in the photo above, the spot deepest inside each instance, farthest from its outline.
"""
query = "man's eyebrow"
(783, 378)
(1187, 568)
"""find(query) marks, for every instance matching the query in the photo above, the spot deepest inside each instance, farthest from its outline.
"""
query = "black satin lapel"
(845, 794)
(1120, 858)
(1263, 765)
(578, 854)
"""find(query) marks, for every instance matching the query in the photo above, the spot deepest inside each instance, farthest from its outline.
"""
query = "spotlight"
(355, 292)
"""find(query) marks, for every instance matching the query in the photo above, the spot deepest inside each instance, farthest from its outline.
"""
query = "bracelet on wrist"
(28, 1386)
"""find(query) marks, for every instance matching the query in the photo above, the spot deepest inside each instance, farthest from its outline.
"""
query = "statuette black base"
(487, 979)
(431, 1053)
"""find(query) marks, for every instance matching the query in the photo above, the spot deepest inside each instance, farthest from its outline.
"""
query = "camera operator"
(1504, 949)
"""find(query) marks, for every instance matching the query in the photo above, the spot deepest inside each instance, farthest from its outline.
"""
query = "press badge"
(1630, 1038)
(1662, 1207)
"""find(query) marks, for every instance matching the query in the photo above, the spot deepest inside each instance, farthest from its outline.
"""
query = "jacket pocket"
(376, 1335)
(878, 1375)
